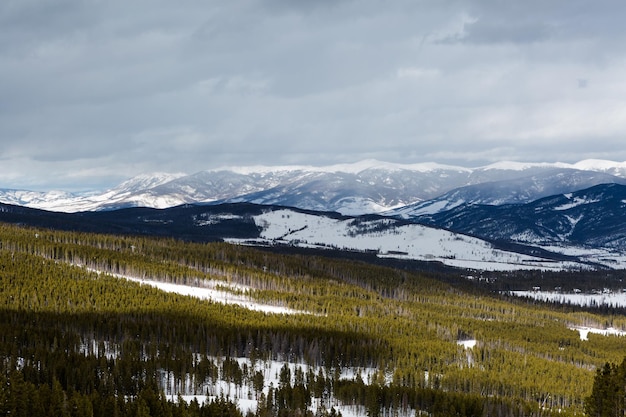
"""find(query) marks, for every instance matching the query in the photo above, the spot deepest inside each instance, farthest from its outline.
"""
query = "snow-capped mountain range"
(361, 188)
(501, 216)
(542, 183)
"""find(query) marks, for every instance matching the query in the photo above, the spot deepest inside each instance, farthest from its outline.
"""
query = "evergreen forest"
(78, 339)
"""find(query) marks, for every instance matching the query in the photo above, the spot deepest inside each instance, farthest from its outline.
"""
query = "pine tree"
(608, 394)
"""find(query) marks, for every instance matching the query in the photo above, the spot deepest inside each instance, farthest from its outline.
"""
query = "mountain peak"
(600, 165)
(147, 181)
(348, 168)
(364, 187)
(522, 166)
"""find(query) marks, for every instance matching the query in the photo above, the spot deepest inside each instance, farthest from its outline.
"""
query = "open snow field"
(616, 299)
(387, 238)
(610, 331)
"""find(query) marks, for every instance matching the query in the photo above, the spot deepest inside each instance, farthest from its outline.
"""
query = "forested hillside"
(76, 340)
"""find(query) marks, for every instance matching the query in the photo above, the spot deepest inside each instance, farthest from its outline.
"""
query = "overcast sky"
(93, 92)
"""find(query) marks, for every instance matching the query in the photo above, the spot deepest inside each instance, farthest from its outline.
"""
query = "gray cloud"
(481, 31)
(94, 92)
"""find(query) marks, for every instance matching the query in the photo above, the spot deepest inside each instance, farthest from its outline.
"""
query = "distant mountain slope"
(513, 191)
(128, 193)
(190, 222)
(594, 217)
(360, 188)
(251, 224)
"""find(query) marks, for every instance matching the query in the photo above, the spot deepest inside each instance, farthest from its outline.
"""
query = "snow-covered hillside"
(390, 238)
(134, 192)
(512, 191)
(586, 223)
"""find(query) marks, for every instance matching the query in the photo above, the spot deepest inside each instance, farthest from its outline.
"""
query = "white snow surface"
(219, 296)
(602, 256)
(468, 344)
(617, 299)
(600, 165)
(358, 167)
(147, 181)
(609, 331)
(605, 297)
(426, 207)
(215, 291)
(358, 206)
(575, 203)
(245, 397)
(613, 167)
(123, 193)
(409, 241)
(350, 168)
(521, 166)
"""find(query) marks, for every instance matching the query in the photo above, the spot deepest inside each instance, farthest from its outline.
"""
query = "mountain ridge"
(364, 187)
(561, 232)
(585, 220)
(275, 226)
(514, 191)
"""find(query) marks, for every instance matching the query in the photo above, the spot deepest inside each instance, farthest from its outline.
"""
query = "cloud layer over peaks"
(92, 92)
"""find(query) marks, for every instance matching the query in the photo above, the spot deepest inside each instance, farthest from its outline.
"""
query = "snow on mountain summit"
(600, 165)
(521, 166)
(147, 181)
(368, 186)
(349, 168)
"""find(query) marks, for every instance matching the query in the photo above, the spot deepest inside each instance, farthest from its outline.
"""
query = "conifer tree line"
(608, 395)
(108, 346)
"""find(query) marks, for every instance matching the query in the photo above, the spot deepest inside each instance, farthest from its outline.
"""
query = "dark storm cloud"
(108, 89)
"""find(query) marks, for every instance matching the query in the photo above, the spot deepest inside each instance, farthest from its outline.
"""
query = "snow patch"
(218, 296)
(575, 203)
(428, 207)
(350, 168)
(610, 331)
(207, 219)
(214, 291)
(522, 166)
(245, 396)
(617, 299)
(467, 344)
